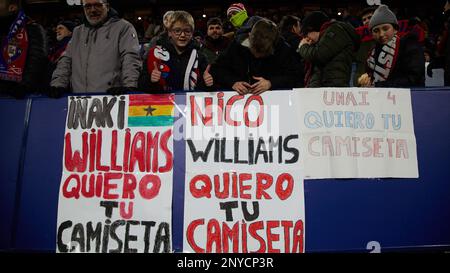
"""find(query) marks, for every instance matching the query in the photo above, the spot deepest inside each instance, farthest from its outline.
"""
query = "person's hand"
(207, 78)
(364, 80)
(260, 86)
(56, 92)
(156, 74)
(241, 87)
(305, 41)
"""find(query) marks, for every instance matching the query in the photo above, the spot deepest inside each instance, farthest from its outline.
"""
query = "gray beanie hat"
(383, 15)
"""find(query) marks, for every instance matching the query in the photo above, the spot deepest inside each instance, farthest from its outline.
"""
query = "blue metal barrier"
(341, 215)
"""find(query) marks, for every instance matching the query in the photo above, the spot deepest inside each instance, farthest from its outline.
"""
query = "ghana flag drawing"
(150, 110)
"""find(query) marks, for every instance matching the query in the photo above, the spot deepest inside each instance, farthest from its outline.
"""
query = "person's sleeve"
(223, 71)
(414, 76)
(129, 56)
(202, 64)
(37, 58)
(290, 73)
(334, 40)
(144, 83)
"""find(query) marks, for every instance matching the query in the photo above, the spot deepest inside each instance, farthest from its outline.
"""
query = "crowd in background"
(249, 51)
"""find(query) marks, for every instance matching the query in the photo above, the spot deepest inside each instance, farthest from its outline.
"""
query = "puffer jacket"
(101, 57)
(331, 57)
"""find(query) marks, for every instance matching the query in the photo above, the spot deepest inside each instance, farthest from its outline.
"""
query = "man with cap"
(328, 50)
(395, 61)
(102, 56)
(63, 33)
(238, 17)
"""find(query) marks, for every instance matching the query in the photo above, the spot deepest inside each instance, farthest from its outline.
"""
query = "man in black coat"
(23, 58)
(261, 62)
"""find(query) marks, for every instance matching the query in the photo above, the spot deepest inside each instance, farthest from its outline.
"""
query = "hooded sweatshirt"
(100, 57)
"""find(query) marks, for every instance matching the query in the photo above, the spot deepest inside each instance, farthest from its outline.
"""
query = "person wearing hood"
(23, 57)
(176, 64)
(102, 56)
(395, 61)
(328, 50)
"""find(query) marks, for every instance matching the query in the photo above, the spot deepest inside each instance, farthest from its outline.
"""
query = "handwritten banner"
(357, 133)
(116, 187)
(244, 183)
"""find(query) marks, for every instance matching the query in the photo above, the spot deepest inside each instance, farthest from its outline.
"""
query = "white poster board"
(244, 184)
(116, 187)
(357, 133)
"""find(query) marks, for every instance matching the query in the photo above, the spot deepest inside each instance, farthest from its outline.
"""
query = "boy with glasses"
(176, 64)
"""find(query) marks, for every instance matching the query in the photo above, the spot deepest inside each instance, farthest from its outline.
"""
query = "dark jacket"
(237, 63)
(34, 79)
(212, 48)
(331, 57)
(409, 69)
(447, 53)
(361, 59)
(176, 66)
(292, 39)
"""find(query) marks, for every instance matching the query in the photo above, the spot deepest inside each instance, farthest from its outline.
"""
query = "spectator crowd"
(245, 52)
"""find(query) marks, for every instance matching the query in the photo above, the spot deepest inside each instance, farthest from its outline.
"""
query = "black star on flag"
(149, 110)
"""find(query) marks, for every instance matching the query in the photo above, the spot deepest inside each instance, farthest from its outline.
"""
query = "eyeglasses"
(178, 31)
(96, 6)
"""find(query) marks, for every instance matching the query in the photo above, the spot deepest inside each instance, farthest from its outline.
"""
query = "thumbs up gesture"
(156, 74)
(207, 78)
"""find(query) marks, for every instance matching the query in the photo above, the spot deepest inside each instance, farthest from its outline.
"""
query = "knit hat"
(68, 24)
(383, 15)
(314, 21)
(236, 7)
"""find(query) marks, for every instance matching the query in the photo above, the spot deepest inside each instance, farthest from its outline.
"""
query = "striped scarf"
(191, 73)
(381, 64)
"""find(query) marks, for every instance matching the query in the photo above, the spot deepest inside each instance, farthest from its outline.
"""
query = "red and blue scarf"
(161, 57)
(14, 48)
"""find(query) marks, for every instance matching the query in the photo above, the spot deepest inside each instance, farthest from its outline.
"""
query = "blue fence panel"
(36, 229)
(341, 215)
(12, 115)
